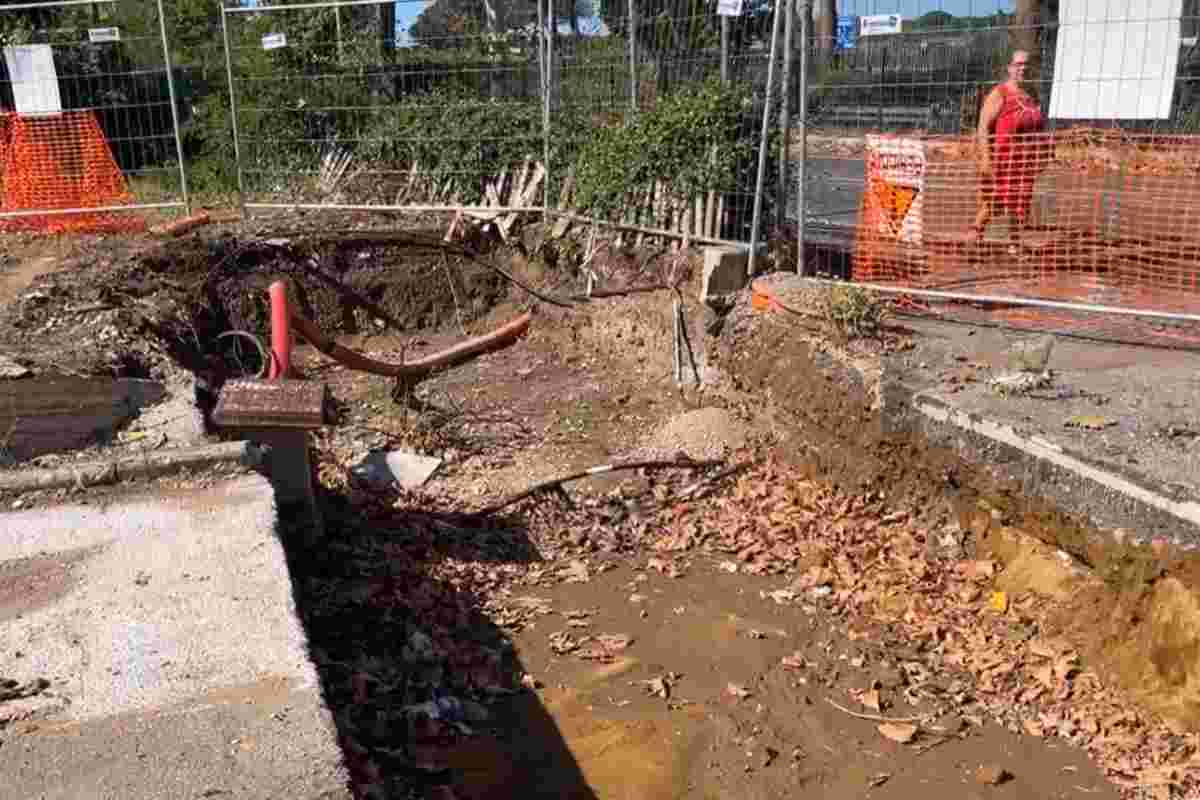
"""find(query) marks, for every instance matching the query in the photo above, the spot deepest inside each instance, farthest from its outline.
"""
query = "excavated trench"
(185, 293)
(346, 284)
(84, 334)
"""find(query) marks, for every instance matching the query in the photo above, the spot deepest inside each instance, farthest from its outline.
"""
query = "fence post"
(183, 184)
(544, 69)
(762, 145)
(801, 264)
(633, 81)
(785, 111)
(724, 49)
(237, 149)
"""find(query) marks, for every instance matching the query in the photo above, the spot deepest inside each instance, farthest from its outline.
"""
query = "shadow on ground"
(393, 609)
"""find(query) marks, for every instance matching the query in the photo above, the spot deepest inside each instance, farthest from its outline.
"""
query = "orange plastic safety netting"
(1081, 216)
(60, 162)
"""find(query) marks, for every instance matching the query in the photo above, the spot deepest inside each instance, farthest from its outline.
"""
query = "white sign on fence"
(729, 8)
(34, 79)
(101, 35)
(274, 41)
(1116, 63)
(880, 24)
(900, 162)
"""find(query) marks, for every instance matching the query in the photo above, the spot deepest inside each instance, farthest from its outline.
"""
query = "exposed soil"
(775, 733)
(724, 686)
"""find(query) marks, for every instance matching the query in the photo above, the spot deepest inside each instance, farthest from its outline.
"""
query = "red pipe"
(281, 332)
(181, 226)
(423, 367)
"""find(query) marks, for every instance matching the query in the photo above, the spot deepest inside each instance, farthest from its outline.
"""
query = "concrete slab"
(169, 642)
(725, 271)
(1141, 471)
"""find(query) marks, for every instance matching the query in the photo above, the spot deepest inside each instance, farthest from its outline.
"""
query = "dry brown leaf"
(1045, 676)
(1031, 694)
(1042, 649)
(794, 661)
(658, 687)
(871, 700)
(614, 641)
(737, 692)
(901, 732)
(562, 642)
(1034, 727)
(992, 775)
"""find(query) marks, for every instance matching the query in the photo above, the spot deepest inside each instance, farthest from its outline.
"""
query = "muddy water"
(1137, 620)
(782, 738)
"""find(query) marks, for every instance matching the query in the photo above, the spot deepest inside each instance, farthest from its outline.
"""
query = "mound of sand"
(706, 433)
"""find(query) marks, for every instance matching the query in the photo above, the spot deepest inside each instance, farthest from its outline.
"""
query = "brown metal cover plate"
(271, 404)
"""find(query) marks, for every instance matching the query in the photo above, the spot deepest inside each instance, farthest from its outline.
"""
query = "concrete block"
(726, 270)
(410, 470)
(46, 414)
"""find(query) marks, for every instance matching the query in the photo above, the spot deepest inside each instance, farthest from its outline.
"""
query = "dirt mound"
(410, 277)
(86, 314)
(703, 434)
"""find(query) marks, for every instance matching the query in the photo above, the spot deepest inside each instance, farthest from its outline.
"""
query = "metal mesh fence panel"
(88, 123)
(328, 111)
(1010, 157)
(638, 75)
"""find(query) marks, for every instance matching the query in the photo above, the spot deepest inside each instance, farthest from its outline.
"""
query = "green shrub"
(693, 141)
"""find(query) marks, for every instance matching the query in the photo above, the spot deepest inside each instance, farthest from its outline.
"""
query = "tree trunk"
(1025, 34)
(825, 15)
(387, 28)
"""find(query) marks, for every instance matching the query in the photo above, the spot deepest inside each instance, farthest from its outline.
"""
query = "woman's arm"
(987, 120)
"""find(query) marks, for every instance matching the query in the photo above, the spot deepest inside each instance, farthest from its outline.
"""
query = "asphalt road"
(834, 191)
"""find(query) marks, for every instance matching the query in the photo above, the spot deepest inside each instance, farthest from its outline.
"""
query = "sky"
(408, 10)
(406, 14)
(915, 8)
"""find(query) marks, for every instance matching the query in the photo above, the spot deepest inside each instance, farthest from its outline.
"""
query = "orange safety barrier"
(60, 162)
(1110, 219)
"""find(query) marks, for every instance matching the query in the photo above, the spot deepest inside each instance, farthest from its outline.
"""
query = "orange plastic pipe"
(181, 226)
(423, 367)
(281, 331)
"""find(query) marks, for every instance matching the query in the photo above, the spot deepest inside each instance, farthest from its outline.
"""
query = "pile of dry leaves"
(853, 559)
(960, 648)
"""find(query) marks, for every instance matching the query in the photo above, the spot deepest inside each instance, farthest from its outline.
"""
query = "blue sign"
(847, 31)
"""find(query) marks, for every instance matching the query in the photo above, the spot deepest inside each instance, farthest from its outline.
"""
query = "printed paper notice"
(729, 8)
(101, 35)
(34, 79)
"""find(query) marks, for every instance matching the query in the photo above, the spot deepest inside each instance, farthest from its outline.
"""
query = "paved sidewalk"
(177, 668)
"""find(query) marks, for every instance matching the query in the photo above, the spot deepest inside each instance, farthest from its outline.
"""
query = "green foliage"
(685, 26)
(457, 139)
(458, 23)
(692, 141)
(854, 312)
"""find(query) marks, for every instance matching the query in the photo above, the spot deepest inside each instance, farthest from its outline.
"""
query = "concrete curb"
(1131, 499)
(142, 465)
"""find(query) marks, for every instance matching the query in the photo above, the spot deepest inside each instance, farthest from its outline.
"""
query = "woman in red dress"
(1010, 149)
